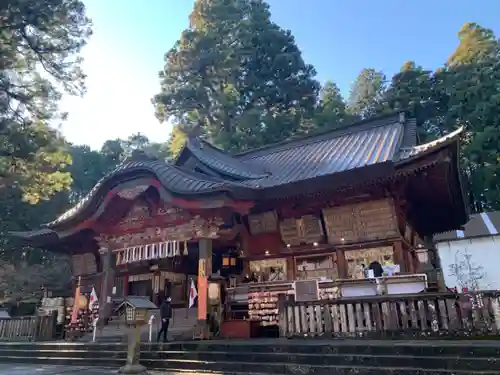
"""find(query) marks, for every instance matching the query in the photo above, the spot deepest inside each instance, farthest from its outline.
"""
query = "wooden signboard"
(84, 264)
(289, 230)
(311, 229)
(307, 229)
(361, 222)
(306, 290)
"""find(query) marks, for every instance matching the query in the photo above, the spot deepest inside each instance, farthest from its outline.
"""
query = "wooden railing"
(29, 328)
(416, 315)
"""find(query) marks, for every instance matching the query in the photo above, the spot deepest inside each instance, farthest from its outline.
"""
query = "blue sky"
(339, 38)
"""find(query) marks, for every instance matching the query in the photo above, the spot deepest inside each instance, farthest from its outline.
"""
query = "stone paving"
(15, 369)
(18, 369)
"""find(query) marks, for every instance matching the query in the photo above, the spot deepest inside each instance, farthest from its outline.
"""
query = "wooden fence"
(409, 316)
(29, 328)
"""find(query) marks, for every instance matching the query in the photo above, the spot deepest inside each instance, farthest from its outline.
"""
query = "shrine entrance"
(141, 287)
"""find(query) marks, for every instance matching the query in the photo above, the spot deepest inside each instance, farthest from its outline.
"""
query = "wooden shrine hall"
(322, 207)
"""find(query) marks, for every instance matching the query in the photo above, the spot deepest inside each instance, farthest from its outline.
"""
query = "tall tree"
(88, 167)
(331, 111)
(470, 83)
(177, 140)
(366, 93)
(237, 75)
(39, 46)
(476, 43)
(412, 89)
(113, 152)
(136, 141)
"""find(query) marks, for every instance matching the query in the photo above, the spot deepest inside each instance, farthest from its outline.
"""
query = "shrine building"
(322, 207)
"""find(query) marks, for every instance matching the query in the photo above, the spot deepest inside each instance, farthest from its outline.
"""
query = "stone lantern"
(134, 312)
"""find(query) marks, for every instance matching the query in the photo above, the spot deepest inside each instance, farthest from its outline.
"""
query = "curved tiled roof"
(181, 182)
(251, 175)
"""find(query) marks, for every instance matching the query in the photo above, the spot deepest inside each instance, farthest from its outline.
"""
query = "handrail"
(393, 298)
(150, 323)
(94, 330)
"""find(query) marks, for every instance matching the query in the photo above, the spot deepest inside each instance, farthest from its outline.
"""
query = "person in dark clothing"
(166, 315)
(378, 271)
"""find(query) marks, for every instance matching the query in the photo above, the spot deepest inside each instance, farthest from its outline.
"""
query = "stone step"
(463, 349)
(286, 357)
(179, 359)
(233, 368)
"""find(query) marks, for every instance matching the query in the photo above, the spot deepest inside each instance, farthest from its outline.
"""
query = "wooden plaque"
(360, 222)
(263, 223)
(289, 230)
(306, 290)
(84, 264)
(311, 229)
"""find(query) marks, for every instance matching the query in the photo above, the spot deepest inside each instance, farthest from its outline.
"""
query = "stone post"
(132, 365)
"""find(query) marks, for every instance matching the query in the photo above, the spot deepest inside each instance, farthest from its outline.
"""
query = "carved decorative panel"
(134, 192)
(361, 222)
(139, 212)
(197, 227)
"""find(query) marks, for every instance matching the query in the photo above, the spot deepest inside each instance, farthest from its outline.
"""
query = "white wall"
(484, 252)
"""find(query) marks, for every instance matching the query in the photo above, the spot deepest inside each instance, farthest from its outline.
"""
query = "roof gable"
(220, 161)
(138, 302)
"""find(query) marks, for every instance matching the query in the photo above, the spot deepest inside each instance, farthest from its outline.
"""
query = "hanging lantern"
(228, 260)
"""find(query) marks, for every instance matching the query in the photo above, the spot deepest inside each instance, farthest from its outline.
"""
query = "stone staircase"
(181, 326)
(273, 356)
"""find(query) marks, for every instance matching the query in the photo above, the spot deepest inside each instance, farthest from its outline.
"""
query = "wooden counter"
(238, 329)
(348, 288)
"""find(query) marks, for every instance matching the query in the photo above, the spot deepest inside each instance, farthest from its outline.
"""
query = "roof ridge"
(347, 129)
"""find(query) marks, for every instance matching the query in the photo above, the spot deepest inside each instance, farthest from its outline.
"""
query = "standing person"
(378, 271)
(165, 314)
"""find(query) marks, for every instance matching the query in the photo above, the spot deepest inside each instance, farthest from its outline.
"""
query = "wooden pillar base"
(201, 331)
(133, 369)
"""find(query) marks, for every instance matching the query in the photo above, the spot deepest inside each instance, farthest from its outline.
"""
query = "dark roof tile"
(479, 225)
(177, 180)
(223, 162)
(370, 142)
(319, 157)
